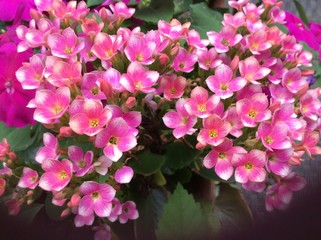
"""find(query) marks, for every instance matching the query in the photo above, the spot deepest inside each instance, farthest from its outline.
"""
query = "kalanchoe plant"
(129, 113)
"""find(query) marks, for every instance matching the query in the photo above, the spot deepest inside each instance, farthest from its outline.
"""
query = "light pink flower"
(29, 178)
(310, 105)
(237, 20)
(102, 164)
(81, 221)
(214, 132)
(208, 58)
(116, 139)
(57, 174)
(81, 162)
(124, 174)
(220, 157)
(256, 42)
(181, 120)
(106, 46)
(251, 70)
(193, 39)
(200, 105)
(138, 79)
(233, 118)
(97, 198)
(184, 61)
(278, 161)
(50, 148)
(173, 86)
(122, 11)
(103, 232)
(115, 211)
(293, 80)
(172, 30)
(238, 4)
(249, 166)
(65, 74)
(222, 84)
(129, 211)
(90, 118)
(310, 143)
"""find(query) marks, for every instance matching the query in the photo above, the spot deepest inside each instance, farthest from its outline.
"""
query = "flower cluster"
(243, 93)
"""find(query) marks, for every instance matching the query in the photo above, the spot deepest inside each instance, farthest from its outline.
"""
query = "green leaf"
(179, 155)
(147, 163)
(181, 5)
(91, 3)
(231, 209)
(19, 138)
(157, 10)
(204, 19)
(28, 213)
(301, 11)
(52, 211)
(182, 218)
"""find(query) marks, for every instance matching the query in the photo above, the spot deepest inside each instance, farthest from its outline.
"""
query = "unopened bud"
(130, 102)
(163, 59)
(65, 212)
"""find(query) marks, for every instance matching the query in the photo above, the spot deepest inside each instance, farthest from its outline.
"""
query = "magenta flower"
(173, 86)
(257, 42)
(97, 198)
(9, 11)
(200, 105)
(13, 110)
(181, 120)
(278, 161)
(106, 46)
(51, 105)
(138, 79)
(280, 194)
(221, 157)
(65, 74)
(82, 163)
(274, 136)
(253, 110)
(129, 211)
(124, 174)
(251, 70)
(208, 58)
(66, 44)
(116, 139)
(50, 148)
(214, 132)
(90, 117)
(184, 61)
(222, 83)
(140, 50)
(225, 39)
(249, 166)
(29, 178)
(57, 174)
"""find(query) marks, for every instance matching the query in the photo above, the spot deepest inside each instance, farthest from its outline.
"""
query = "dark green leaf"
(179, 155)
(157, 10)
(182, 218)
(28, 213)
(181, 5)
(147, 163)
(204, 19)
(91, 3)
(301, 11)
(211, 175)
(52, 211)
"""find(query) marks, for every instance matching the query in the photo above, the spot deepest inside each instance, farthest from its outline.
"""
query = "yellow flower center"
(172, 90)
(201, 108)
(252, 114)
(213, 133)
(269, 140)
(222, 155)
(63, 175)
(248, 165)
(113, 140)
(224, 87)
(94, 123)
(95, 195)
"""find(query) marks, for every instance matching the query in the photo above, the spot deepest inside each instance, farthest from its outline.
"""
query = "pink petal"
(89, 187)
(257, 174)
(124, 174)
(102, 208)
(75, 153)
(224, 169)
(241, 175)
(86, 206)
(172, 119)
(210, 159)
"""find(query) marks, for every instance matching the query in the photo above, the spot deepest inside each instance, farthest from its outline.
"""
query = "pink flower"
(208, 58)
(116, 139)
(29, 178)
(173, 86)
(50, 150)
(221, 157)
(102, 164)
(280, 194)
(200, 105)
(2, 186)
(138, 79)
(274, 136)
(90, 86)
(238, 4)
(90, 117)
(124, 174)
(172, 30)
(51, 105)
(9, 11)
(181, 121)
(256, 42)
(251, 70)
(66, 44)
(106, 46)
(237, 20)
(97, 198)
(249, 166)
(140, 50)
(225, 39)
(103, 232)
(293, 80)
(57, 174)
(116, 210)
(129, 211)
(214, 132)
(253, 110)
(310, 143)
(81, 162)
(81, 221)
(310, 105)
(122, 11)
(65, 74)
(184, 61)
(233, 118)
(222, 83)
(278, 161)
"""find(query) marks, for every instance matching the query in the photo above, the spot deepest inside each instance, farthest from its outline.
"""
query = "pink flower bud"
(131, 102)
(163, 59)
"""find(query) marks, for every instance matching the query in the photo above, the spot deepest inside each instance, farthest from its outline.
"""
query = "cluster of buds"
(242, 93)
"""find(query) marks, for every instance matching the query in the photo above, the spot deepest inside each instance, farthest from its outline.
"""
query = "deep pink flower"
(193, 39)
(90, 86)
(278, 161)
(122, 11)
(172, 30)
(181, 120)
(90, 118)
(310, 143)
(81, 162)
(233, 118)
(116, 139)
(106, 46)
(50, 148)
(116, 210)
(310, 105)
(9, 10)
(173, 86)
(249, 166)
(124, 174)
(251, 70)
(13, 110)
(214, 132)
(129, 211)
(293, 80)
(256, 42)
(253, 110)
(208, 58)
(65, 74)
(138, 79)
(29, 178)
(184, 61)
(57, 174)
(97, 198)
(237, 20)
(285, 114)
(222, 83)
